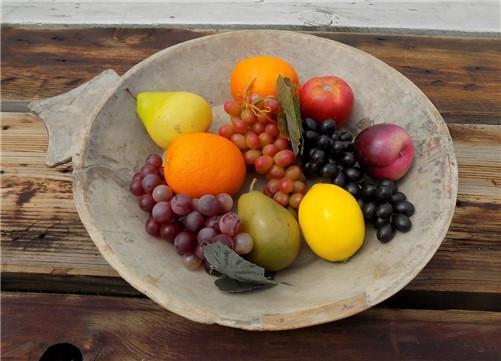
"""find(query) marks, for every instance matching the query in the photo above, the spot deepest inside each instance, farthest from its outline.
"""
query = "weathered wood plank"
(461, 76)
(415, 17)
(111, 328)
(43, 238)
(472, 242)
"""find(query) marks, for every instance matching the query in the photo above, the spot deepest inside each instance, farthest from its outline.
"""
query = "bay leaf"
(230, 264)
(282, 125)
(290, 112)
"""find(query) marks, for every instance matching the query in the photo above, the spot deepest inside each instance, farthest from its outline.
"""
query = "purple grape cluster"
(188, 223)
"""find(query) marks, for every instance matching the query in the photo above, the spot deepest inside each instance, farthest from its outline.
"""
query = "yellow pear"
(165, 115)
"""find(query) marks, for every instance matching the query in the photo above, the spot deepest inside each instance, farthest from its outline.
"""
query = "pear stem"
(253, 183)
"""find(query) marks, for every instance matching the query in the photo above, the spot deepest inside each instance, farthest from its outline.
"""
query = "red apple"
(327, 97)
(384, 151)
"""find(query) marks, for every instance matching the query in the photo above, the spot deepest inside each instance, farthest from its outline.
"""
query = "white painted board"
(412, 17)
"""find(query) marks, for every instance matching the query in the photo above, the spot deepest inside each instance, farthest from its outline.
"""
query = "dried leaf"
(282, 125)
(289, 103)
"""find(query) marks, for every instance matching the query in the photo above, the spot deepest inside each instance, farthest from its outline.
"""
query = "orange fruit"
(264, 71)
(203, 163)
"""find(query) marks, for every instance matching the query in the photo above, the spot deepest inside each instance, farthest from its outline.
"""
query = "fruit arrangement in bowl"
(272, 187)
(293, 136)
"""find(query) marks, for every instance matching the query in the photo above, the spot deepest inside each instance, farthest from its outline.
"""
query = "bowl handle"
(68, 115)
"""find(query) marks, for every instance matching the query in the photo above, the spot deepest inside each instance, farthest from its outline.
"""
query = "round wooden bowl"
(115, 145)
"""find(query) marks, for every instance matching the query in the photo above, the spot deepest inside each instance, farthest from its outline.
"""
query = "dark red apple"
(384, 151)
(327, 97)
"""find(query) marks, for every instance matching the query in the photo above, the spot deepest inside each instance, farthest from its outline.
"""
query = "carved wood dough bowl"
(111, 143)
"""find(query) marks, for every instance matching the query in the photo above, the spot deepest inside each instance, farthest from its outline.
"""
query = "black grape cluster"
(330, 154)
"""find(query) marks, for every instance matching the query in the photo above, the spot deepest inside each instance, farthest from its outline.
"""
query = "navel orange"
(204, 163)
(262, 71)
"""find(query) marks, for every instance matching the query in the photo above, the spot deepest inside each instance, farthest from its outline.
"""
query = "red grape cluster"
(188, 223)
(254, 130)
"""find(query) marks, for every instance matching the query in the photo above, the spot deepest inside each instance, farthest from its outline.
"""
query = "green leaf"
(211, 270)
(230, 264)
(230, 285)
(290, 116)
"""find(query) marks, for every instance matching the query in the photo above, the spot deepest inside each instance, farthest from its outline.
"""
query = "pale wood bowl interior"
(116, 144)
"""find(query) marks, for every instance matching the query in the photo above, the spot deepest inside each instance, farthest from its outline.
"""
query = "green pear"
(274, 230)
(166, 115)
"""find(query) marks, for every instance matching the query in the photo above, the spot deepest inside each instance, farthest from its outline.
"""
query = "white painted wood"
(416, 17)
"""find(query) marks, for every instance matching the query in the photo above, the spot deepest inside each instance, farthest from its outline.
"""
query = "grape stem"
(247, 89)
(253, 105)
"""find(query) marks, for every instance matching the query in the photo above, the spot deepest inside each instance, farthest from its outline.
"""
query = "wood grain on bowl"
(115, 142)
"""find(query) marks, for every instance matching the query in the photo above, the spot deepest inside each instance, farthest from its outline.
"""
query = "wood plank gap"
(14, 106)
(112, 287)
(21, 106)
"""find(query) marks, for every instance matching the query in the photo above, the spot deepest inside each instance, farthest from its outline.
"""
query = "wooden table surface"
(57, 288)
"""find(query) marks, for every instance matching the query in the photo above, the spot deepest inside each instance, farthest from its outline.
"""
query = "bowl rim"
(283, 321)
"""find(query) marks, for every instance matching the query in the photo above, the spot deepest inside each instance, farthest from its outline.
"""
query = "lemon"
(332, 222)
